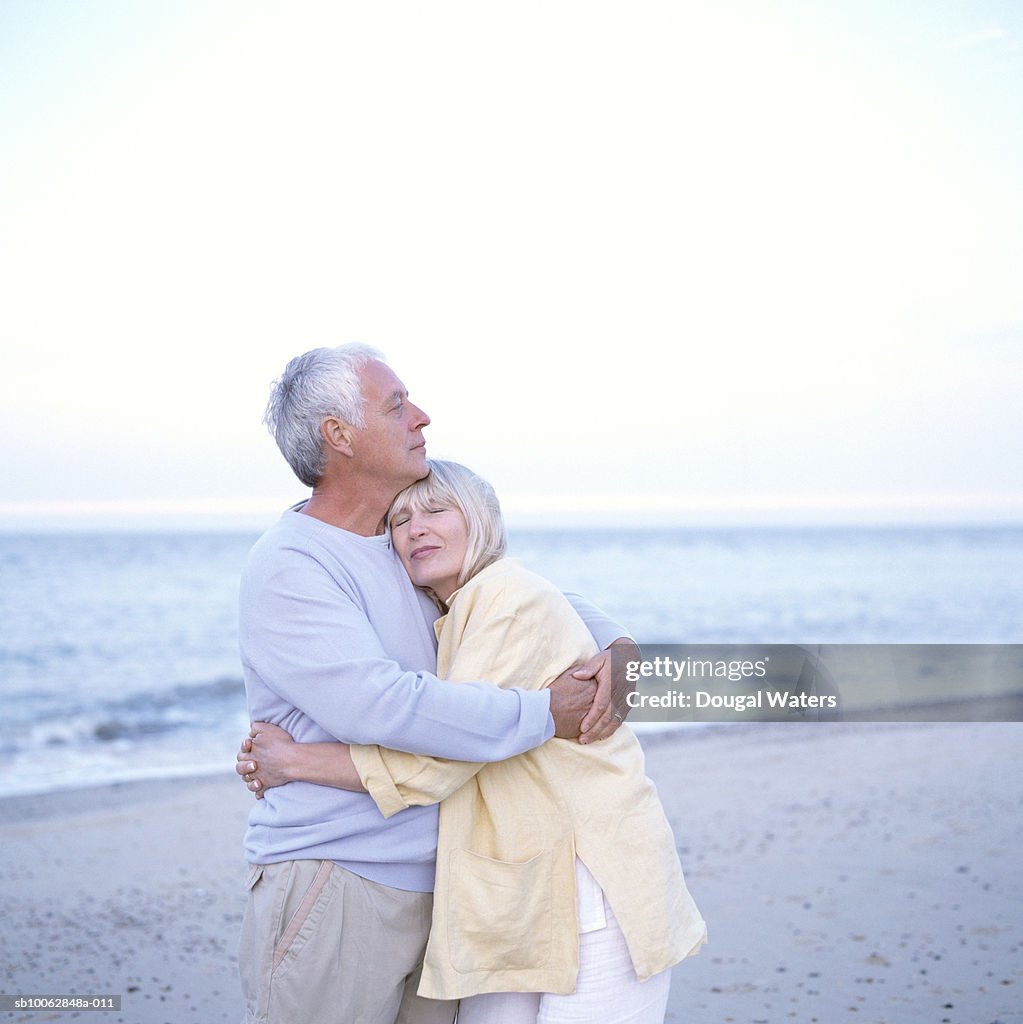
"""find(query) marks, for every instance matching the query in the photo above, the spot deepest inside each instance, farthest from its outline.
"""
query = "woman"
(559, 894)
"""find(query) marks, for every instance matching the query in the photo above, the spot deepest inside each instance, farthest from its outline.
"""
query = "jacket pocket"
(500, 912)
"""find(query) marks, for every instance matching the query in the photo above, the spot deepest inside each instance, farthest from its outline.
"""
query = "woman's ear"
(338, 435)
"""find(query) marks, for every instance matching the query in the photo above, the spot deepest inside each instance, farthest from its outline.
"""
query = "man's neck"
(353, 510)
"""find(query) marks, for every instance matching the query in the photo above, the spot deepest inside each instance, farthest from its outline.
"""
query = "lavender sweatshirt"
(336, 643)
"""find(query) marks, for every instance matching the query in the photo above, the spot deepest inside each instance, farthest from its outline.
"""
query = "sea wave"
(37, 723)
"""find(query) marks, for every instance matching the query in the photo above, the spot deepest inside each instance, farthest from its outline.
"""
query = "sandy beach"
(862, 872)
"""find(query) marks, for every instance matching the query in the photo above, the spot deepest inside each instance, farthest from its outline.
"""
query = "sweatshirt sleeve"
(314, 648)
(603, 630)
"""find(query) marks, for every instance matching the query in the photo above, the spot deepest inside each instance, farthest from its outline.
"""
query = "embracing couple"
(452, 818)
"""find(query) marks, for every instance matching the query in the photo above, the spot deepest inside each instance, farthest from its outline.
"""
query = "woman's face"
(431, 544)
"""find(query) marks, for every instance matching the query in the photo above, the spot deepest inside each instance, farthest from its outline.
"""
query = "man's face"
(391, 445)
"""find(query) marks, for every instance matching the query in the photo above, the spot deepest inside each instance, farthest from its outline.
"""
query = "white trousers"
(607, 989)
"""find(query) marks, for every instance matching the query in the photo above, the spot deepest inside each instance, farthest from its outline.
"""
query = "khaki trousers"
(321, 945)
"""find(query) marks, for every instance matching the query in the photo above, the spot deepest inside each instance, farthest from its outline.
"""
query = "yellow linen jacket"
(504, 916)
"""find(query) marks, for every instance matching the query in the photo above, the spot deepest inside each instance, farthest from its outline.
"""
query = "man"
(334, 640)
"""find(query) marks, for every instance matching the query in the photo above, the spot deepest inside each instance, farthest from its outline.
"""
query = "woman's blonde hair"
(451, 484)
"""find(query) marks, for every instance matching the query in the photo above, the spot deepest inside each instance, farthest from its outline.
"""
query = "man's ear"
(338, 435)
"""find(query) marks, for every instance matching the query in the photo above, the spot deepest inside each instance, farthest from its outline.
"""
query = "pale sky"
(684, 261)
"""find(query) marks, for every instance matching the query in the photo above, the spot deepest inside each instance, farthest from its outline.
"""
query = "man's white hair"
(320, 383)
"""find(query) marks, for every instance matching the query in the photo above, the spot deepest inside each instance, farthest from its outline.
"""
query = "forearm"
(325, 764)
(627, 642)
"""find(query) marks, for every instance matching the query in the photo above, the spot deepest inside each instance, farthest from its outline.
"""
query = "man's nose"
(419, 418)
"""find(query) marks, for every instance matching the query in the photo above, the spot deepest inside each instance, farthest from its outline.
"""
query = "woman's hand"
(270, 757)
(265, 757)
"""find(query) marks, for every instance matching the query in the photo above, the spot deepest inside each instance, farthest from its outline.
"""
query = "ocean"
(118, 652)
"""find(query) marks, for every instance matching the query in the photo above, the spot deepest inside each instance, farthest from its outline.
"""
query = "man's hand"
(605, 699)
(571, 700)
(610, 707)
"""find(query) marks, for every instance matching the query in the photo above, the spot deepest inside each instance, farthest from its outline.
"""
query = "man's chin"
(416, 473)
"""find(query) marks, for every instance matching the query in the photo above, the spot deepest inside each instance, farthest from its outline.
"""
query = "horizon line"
(524, 511)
